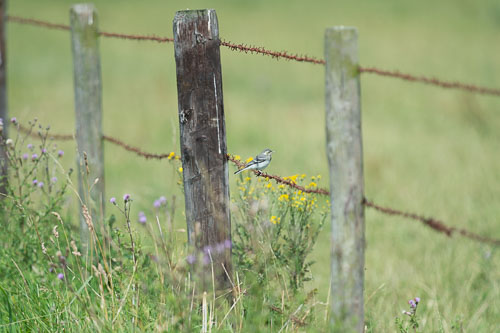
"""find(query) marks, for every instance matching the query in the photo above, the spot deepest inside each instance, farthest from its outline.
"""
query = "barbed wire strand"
(432, 81)
(136, 150)
(431, 222)
(46, 24)
(118, 142)
(279, 55)
(273, 54)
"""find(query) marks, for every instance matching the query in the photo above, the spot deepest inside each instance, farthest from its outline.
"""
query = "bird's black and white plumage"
(259, 162)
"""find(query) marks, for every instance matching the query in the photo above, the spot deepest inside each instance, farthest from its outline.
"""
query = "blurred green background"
(426, 149)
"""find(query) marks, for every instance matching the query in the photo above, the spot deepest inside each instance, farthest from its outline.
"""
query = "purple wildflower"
(40, 184)
(35, 182)
(13, 120)
(44, 151)
(142, 218)
(207, 249)
(60, 153)
(157, 204)
(113, 200)
(412, 304)
(206, 259)
(53, 179)
(60, 276)
(417, 300)
(126, 197)
(162, 200)
(219, 248)
(34, 157)
(191, 259)
(25, 156)
(30, 146)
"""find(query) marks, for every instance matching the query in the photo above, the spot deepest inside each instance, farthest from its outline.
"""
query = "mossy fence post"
(203, 143)
(88, 112)
(345, 158)
(3, 98)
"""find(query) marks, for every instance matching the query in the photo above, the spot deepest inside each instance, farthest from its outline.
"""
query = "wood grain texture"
(88, 109)
(203, 138)
(345, 158)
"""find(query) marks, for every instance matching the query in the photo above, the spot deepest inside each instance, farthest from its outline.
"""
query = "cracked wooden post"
(88, 112)
(345, 158)
(3, 98)
(203, 143)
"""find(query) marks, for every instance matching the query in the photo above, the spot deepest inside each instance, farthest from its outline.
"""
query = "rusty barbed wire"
(40, 23)
(50, 25)
(137, 150)
(431, 222)
(432, 81)
(279, 55)
(279, 179)
(273, 54)
(115, 141)
(35, 134)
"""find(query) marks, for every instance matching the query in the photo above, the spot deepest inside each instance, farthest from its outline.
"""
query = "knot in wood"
(200, 39)
(184, 115)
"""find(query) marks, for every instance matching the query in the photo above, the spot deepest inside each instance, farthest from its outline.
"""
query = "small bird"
(259, 162)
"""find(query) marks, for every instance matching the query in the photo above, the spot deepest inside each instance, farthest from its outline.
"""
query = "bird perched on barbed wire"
(260, 161)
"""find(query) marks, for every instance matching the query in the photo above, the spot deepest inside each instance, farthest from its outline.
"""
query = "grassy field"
(426, 149)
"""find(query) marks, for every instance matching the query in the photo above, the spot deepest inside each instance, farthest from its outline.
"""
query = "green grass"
(426, 149)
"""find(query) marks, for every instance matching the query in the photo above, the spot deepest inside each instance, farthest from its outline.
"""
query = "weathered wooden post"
(345, 158)
(203, 140)
(88, 110)
(3, 97)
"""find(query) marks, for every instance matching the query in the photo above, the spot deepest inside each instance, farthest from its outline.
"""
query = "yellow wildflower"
(275, 219)
(237, 157)
(269, 185)
(181, 169)
(312, 184)
(248, 179)
(249, 159)
(283, 197)
(171, 155)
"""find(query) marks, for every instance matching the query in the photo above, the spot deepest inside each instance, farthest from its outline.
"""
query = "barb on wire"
(274, 54)
(433, 223)
(432, 81)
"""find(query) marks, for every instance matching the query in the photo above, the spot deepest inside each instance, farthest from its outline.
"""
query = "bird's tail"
(240, 170)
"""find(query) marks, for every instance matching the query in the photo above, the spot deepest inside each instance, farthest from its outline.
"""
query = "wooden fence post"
(88, 111)
(3, 98)
(345, 158)
(203, 140)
